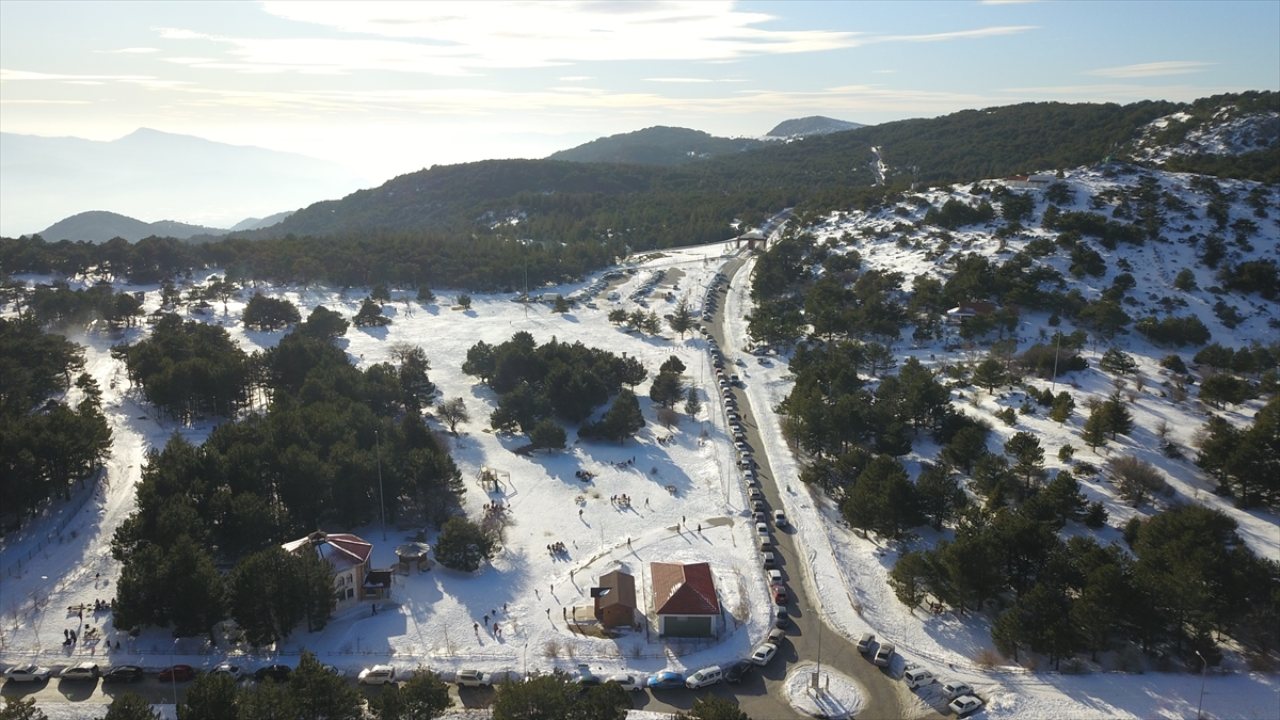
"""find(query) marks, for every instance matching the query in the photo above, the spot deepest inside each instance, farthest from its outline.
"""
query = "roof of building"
(684, 589)
(342, 550)
(621, 590)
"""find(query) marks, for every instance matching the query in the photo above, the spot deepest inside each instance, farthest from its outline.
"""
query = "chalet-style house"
(685, 600)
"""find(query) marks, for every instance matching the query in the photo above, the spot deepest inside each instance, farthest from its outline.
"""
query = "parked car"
(27, 673)
(884, 654)
(763, 653)
(762, 529)
(965, 705)
(628, 681)
(123, 673)
(81, 671)
(377, 675)
(775, 577)
(917, 677)
(779, 593)
(228, 669)
(779, 518)
(780, 617)
(769, 559)
(276, 672)
(666, 680)
(865, 642)
(777, 635)
(474, 678)
(178, 673)
(705, 677)
(755, 494)
(735, 672)
(955, 689)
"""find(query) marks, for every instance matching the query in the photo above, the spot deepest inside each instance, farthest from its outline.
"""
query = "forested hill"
(99, 226)
(656, 146)
(553, 200)
(477, 225)
(812, 125)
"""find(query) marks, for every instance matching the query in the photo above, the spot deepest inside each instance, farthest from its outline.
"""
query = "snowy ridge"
(1226, 134)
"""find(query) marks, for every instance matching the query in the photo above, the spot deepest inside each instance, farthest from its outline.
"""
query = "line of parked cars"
(960, 697)
(91, 671)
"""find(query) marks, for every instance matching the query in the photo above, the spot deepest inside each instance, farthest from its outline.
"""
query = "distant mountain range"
(149, 174)
(100, 226)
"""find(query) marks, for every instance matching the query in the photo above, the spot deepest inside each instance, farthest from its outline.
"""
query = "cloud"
(34, 101)
(575, 78)
(1007, 2)
(10, 75)
(994, 31)
(1152, 69)
(678, 80)
(132, 51)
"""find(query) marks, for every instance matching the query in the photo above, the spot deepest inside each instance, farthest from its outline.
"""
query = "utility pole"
(1053, 385)
(382, 499)
(1204, 664)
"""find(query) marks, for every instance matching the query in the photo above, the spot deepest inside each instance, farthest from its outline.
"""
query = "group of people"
(495, 508)
(497, 629)
(622, 501)
(625, 463)
(556, 548)
(584, 475)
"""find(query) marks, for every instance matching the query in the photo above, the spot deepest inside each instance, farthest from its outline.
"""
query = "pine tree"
(990, 374)
(1095, 428)
(692, 405)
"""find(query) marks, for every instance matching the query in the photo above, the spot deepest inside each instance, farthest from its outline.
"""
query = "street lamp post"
(1204, 664)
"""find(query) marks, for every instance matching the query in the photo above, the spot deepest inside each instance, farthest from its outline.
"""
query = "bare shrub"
(668, 417)
(988, 658)
(1136, 480)
(550, 649)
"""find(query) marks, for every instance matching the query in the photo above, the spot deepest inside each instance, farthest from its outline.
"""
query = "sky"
(390, 87)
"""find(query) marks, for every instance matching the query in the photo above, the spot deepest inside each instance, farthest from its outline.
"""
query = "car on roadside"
(955, 689)
(705, 677)
(757, 516)
(779, 519)
(777, 635)
(27, 673)
(177, 673)
(81, 671)
(779, 593)
(770, 559)
(916, 677)
(230, 670)
(123, 673)
(628, 681)
(865, 642)
(763, 654)
(780, 617)
(474, 678)
(666, 680)
(755, 494)
(775, 576)
(884, 655)
(735, 672)
(277, 672)
(762, 528)
(965, 705)
(377, 675)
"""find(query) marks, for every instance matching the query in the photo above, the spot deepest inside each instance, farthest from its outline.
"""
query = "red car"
(779, 594)
(178, 673)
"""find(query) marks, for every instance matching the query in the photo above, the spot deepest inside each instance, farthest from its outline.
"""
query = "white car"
(775, 577)
(965, 705)
(763, 653)
(474, 678)
(917, 677)
(628, 681)
(377, 675)
(81, 671)
(779, 518)
(228, 669)
(762, 529)
(704, 677)
(27, 673)
(955, 689)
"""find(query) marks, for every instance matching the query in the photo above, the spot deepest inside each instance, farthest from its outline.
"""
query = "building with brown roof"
(685, 600)
(615, 599)
(348, 555)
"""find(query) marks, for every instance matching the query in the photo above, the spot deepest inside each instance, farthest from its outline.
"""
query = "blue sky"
(391, 87)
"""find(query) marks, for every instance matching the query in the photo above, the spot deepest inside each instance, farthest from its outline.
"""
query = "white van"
(917, 677)
(704, 677)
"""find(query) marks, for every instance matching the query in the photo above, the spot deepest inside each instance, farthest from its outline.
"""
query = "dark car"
(178, 673)
(278, 673)
(124, 673)
(735, 672)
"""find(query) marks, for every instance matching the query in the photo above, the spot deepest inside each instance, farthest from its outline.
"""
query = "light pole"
(1204, 664)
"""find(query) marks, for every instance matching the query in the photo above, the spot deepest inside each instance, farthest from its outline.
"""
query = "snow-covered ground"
(64, 561)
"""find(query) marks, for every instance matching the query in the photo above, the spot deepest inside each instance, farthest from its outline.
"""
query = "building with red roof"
(685, 600)
(348, 555)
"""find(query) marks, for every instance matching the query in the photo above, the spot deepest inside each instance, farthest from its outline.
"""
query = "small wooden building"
(615, 599)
